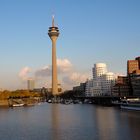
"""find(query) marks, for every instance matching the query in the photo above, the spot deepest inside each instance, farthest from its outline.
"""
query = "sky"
(91, 31)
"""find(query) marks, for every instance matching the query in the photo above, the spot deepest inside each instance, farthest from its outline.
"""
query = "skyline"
(91, 32)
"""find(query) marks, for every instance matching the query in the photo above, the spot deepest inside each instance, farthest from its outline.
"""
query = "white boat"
(49, 101)
(17, 105)
(131, 104)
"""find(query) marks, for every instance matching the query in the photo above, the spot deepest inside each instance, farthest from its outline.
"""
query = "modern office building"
(122, 80)
(132, 65)
(135, 83)
(81, 89)
(30, 84)
(138, 59)
(133, 72)
(122, 87)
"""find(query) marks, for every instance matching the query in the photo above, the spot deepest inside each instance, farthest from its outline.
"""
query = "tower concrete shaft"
(53, 34)
(54, 68)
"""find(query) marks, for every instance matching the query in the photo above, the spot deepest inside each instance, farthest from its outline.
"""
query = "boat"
(131, 104)
(17, 105)
(49, 101)
(67, 102)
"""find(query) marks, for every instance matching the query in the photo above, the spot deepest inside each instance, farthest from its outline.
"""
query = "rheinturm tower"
(53, 33)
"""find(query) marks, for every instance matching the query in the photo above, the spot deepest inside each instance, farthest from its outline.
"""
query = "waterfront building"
(81, 88)
(102, 81)
(108, 81)
(130, 84)
(53, 33)
(30, 84)
(133, 72)
(122, 80)
(96, 90)
(98, 70)
(89, 87)
(122, 87)
(135, 82)
(132, 65)
(138, 59)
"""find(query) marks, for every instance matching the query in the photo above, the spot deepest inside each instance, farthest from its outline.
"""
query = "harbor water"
(68, 122)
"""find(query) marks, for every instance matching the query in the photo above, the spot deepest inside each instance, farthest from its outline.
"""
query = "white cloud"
(63, 66)
(44, 72)
(24, 73)
(73, 79)
(66, 75)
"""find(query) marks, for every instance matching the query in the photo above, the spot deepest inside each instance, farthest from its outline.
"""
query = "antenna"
(53, 21)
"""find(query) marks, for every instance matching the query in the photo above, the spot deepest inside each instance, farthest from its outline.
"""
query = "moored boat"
(17, 105)
(131, 104)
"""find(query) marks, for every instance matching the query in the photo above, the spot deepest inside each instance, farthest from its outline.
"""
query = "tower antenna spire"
(52, 20)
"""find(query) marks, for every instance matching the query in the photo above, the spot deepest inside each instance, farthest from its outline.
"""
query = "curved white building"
(99, 69)
(108, 80)
(102, 81)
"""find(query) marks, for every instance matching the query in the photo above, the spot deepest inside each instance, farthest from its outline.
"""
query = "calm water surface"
(68, 122)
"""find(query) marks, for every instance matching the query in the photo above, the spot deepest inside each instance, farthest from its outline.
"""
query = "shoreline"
(25, 102)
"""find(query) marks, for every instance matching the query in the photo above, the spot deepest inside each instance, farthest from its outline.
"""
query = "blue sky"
(91, 31)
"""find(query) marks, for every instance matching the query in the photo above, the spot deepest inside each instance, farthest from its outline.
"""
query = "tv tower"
(53, 33)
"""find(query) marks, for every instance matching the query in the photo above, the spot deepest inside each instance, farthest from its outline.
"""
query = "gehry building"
(102, 81)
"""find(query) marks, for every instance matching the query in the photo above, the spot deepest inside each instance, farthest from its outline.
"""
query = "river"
(68, 122)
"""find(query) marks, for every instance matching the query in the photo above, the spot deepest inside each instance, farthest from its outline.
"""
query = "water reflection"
(68, 122)
(134, 124)
(113, 124)
(105, 123)
(55, 122)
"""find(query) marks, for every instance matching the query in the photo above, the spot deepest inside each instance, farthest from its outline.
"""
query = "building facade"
(89, 87)
(108, 81)
(135, 82)
(133, 73)
(81, 89)
(132, 65)
(98, 70)
(121, 90)
(122, 87)
(102, 81)
(30, 84)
